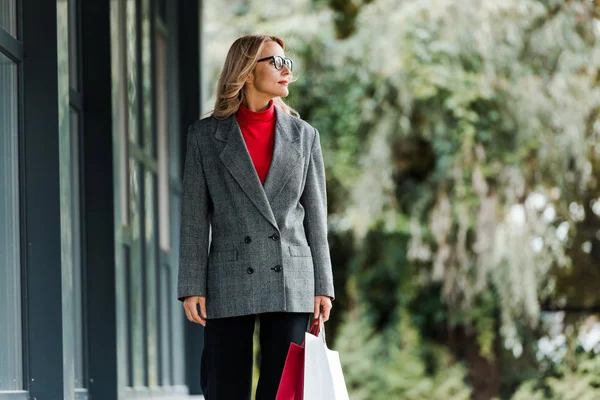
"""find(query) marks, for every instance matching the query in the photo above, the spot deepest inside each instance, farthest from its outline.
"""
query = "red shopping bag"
(291, 385)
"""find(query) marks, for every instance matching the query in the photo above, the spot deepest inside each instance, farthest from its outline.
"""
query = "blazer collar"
(237, 160)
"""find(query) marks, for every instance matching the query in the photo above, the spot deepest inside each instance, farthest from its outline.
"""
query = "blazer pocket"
(224, 255)
(300, 251)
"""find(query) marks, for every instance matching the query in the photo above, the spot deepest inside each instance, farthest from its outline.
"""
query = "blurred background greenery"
(461, 145)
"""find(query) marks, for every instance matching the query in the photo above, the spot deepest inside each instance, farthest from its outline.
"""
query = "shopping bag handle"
(316, 328)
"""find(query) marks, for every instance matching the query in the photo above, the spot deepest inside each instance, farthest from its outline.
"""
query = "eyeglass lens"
(279, 61)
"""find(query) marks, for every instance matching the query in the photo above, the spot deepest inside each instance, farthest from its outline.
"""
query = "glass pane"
(8, 16)
(149, 136)
(76, 253)
(10, 272)
(67, 187)
(69, 124)
(132, 71)
(73, 46)
(136, 283)
(162, 10)
(151, 288)
(69, 206)
(166, 339)
(176, 340)
(163, 148)
(126, 319)
(120, 109)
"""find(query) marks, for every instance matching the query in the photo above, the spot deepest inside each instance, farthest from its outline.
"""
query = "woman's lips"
(283, 83)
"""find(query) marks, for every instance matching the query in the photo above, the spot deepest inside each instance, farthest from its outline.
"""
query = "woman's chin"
(279, 93)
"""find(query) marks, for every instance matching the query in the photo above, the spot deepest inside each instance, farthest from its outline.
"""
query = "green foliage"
(568, 361)
(581, 382)
(492, 111)
(460, 140)
(383, 277)
(396, 364)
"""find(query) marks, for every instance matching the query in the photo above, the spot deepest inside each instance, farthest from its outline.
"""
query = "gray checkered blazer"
(268, 248)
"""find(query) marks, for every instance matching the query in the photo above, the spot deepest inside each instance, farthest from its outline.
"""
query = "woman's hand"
(322, 305)
(190, 305)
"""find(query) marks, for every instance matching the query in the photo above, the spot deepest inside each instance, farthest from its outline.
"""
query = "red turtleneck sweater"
(258, 130)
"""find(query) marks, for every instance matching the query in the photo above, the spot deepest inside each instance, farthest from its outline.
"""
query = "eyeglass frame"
(290, 66)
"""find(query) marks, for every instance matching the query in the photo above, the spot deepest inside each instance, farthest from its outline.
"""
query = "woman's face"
(266, 80)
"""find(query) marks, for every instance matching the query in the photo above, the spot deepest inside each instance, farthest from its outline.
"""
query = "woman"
(254, 175)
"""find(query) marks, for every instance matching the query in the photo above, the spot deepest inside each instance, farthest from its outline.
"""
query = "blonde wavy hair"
(239, 63)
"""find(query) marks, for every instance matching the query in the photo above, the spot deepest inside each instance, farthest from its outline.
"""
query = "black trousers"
(227, 361)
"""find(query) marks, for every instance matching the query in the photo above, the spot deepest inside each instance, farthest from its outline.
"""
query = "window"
(11, 368)
(132, 71)
(69, 124)
(141, 49)
(8, 16)
(163, 148)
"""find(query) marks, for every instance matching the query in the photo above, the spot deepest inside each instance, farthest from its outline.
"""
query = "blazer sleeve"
(314, 201)
(195, 204)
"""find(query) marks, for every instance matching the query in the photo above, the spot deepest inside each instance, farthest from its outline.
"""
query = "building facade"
(95, 101)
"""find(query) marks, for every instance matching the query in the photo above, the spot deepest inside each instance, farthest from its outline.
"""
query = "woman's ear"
(250, 78)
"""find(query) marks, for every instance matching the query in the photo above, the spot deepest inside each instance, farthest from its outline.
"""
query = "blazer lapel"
(237, 160)
(286, 155)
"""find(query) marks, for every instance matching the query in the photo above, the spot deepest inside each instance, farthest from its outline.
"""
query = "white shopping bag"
(323, 377)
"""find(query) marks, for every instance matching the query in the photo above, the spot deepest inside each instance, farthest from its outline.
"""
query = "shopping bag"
(292, 378)
(323, 376)
(291, 385)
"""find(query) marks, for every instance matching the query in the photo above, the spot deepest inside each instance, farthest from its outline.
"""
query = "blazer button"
(275, 236)
(277, 268)
(250, 270)
(248, 239)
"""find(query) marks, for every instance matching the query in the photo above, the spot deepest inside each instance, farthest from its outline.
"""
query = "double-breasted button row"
(274, 236)
(276, 268)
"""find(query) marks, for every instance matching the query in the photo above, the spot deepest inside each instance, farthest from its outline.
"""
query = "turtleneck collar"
(249, 115)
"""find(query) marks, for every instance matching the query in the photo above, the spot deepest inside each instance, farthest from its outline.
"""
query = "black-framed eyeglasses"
(279, 62)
